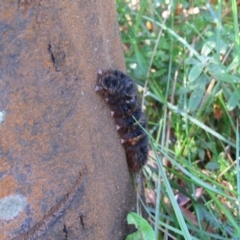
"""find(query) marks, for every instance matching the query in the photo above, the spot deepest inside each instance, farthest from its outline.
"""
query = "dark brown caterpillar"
(120, 92)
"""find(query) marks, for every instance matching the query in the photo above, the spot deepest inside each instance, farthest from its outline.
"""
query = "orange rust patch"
(8, 186)
(4, 165)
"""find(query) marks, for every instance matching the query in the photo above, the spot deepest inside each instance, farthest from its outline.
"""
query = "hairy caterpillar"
(120, 92)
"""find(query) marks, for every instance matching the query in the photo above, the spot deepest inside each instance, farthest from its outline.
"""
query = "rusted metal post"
(63, 173)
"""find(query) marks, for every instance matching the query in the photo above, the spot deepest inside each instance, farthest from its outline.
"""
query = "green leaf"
(214, 68)
(192, 61)
(134, 236)
(225, 77)
(195, 72)
(145, 231)
(227, 92)
(195, 99)
(232, 101)
(212, 166)
(208, 47)
(205, 13)
(184, 90)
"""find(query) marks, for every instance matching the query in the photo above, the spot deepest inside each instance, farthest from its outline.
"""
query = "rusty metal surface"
(63, 173)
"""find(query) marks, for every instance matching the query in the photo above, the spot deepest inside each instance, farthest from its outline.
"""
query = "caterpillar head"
(106, 82)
